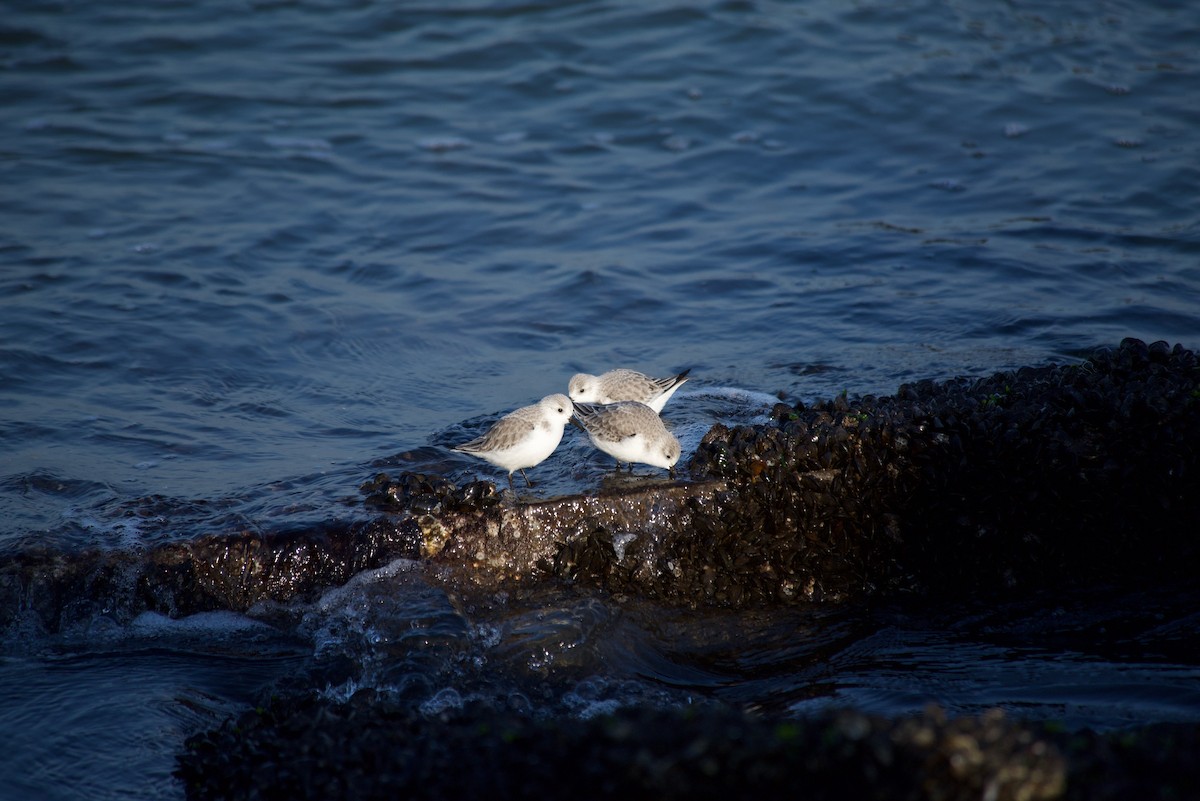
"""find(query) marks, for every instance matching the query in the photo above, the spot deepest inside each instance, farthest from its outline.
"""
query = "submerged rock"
(308, 747)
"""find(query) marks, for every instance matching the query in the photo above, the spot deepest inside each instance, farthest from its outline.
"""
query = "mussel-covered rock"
(421, 493)
(369, 747)
(1029, 478)
(51, 590)
(1035, 476)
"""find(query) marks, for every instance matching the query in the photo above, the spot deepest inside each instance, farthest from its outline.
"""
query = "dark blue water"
(249, 249)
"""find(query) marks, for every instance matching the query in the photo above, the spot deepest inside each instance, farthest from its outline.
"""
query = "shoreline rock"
(1027, 479)
(307, 747)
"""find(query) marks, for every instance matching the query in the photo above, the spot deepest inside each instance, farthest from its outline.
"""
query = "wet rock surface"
(1023, 480)
(370, 748)
(50, 591)
(1027, 479)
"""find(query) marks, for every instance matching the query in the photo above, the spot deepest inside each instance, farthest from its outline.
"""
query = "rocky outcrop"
(48, 591)
(372, 748)
(1029, 478)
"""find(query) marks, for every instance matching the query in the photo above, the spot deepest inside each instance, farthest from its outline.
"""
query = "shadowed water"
(251, 253)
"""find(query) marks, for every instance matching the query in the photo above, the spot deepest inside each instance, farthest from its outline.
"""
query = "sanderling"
(625, 385)
(523, 438)
(630, 432)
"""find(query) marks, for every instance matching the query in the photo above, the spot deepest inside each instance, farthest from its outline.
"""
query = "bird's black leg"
(527, 481)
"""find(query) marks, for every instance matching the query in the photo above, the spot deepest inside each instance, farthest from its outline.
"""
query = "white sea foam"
(201, 624)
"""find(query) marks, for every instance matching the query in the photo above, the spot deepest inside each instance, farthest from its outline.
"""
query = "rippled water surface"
(249, 251)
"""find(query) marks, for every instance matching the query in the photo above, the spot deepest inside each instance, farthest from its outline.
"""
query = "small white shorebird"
(625, 385)
(523, 438)
(629, 431)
